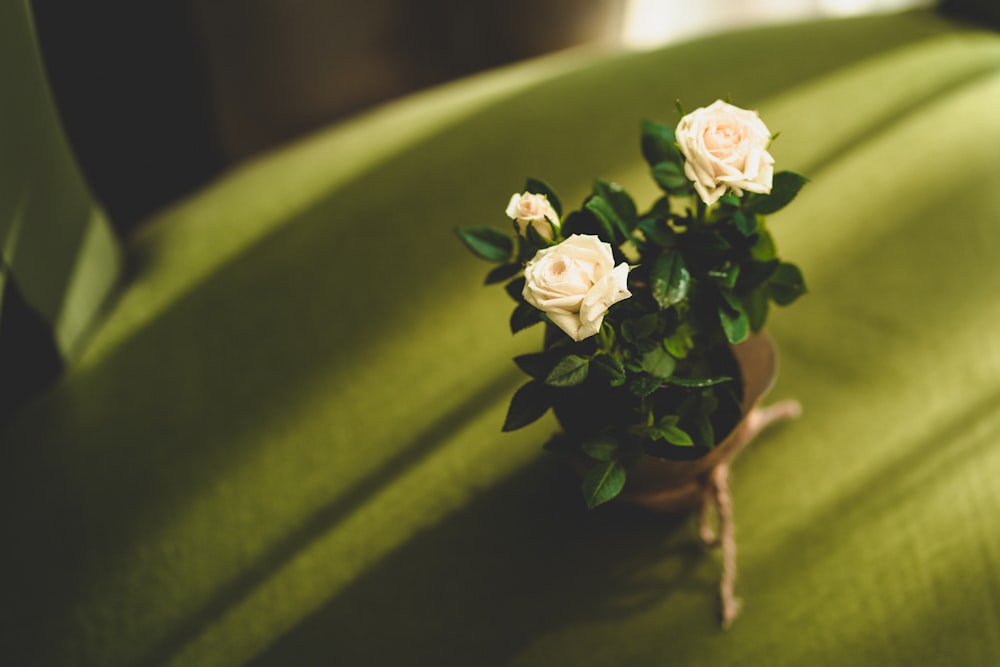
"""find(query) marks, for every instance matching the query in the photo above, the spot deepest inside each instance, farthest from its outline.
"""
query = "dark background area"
(129, 81)
(159, 97)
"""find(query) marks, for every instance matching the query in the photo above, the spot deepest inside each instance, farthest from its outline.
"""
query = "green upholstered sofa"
(279, 443)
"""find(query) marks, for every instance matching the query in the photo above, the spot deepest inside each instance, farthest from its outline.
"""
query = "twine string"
(718, 498)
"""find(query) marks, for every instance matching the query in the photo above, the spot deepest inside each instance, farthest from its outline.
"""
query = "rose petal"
(570, 323)
(574, 283)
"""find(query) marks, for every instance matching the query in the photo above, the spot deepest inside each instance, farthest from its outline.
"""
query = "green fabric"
(55, 240)
(283, 445)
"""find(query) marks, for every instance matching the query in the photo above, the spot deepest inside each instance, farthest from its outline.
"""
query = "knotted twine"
(716, 497)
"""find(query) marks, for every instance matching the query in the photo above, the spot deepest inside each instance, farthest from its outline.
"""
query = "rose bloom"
(535, 210)
(726, 149)
(574, 283)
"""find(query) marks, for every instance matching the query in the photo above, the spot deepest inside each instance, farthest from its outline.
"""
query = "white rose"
(574, 283)
(535, 210)
(726, 148)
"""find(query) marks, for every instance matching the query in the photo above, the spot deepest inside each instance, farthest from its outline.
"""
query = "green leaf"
(670, 176)
(786, 284)
(524, 316)
(735, 322)
(700, 427)
(658, 143)
(698, 383)
(671, 279)
(614, 227)
(662, 208)
(645, 326)
(540, 187)
(726, 277)
(658, 363)
(569, 372)
(582, 222)
(756, 273)
(636, 331)
(526, 250)
(527, 405)
(537, 241)
(487, 243)
(600, 447)
(602, 482)
(502, 273)
(703, 430)
(763, 249)
(536, 364)
(745, 222)
(756, 305)
(675, 435)
(619, 200)
(679, 343)
(644, 385)
(611, 368)
(731, 299)
(658, 231)
(515, 289)
(784, 187)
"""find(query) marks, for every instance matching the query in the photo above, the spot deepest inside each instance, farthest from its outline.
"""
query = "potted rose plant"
(652, 358)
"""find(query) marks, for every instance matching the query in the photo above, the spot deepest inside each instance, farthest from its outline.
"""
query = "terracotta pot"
(678, 486)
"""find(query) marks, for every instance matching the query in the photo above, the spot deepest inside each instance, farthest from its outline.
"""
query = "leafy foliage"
(658, 378)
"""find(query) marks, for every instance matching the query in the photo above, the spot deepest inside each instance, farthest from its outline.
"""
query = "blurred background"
(161, 96)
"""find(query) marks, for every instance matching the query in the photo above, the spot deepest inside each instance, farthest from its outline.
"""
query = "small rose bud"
(535, 210)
